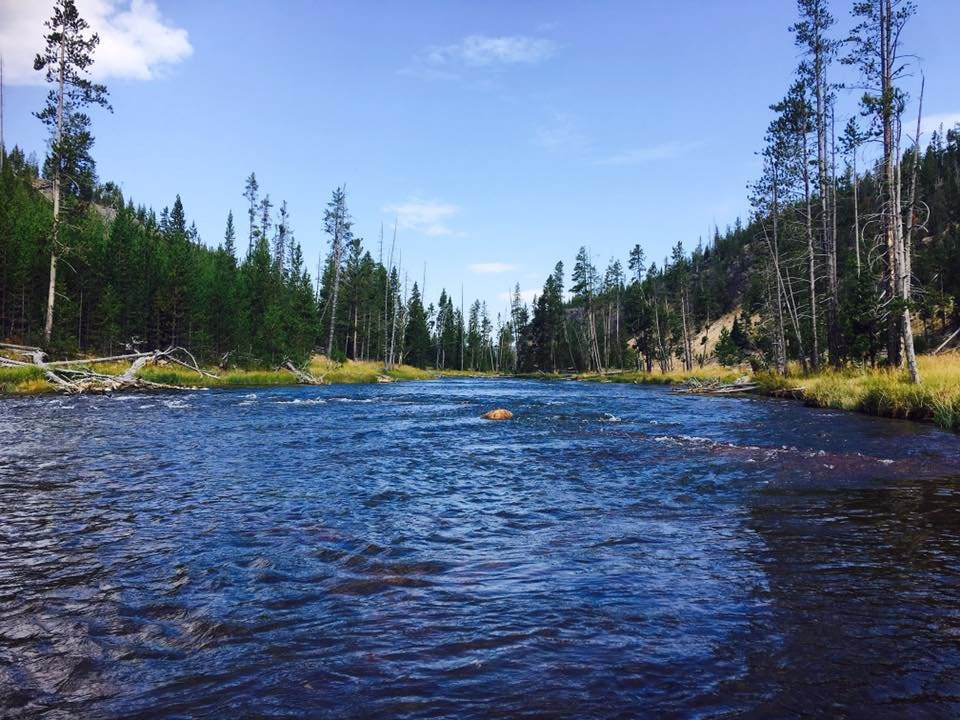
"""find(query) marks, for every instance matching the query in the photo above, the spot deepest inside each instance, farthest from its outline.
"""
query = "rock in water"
(498, 414)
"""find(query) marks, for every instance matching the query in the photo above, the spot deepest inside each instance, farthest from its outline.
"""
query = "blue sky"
(501, 135)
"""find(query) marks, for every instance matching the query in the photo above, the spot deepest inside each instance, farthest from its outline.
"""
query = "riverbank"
(875, 391)
(30, 380)
(883, 392)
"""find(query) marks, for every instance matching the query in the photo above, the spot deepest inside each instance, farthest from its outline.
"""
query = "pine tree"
(66, 59)
(281, 240)
(819, 50)
(250, 193)
(875, 48)
(230, 236)
(416, 335)
(337, 223)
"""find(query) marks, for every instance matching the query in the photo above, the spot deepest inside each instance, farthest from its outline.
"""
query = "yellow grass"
(31, 380)
(883, 391)
(876, 391)
(351, 372)
(708, 372)
(22, 379)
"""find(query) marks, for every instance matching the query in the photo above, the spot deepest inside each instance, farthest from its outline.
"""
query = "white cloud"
(483, 51)
(652, 153)
(526, 295)
(932, 123)
(446, 62)
(426, 216)
(489, 268)
(559, 134)
(135, 41)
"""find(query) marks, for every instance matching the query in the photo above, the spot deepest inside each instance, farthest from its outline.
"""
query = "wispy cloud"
(526, 295)
(651, 153)
(490, 268)
(484, 51)
(136, 42)
(931, 123)
(426, 216)
(480, 52)
(559, 134)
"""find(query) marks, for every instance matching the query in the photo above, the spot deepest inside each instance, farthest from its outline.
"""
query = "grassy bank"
(876, 391)
(22, 380)
(883, 392)
(710, 372)
(30, 380)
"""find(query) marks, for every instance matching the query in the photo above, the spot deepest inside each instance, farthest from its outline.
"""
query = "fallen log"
(74, 381)
(23, 348)
(717, 387)
(94, 361)
(947, 341)
(303, 377)
(192, 365)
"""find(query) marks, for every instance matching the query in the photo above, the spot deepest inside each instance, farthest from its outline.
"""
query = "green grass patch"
(669, 378)
(24, 380)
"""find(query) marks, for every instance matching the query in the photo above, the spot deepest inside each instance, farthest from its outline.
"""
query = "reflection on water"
(380, 551)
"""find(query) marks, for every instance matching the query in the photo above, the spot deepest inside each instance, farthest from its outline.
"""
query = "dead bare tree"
(77, 376)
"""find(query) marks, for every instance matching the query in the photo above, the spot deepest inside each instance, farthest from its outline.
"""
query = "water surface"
(381, 552)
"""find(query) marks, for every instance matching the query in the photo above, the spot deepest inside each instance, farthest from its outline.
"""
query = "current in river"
(382, 552)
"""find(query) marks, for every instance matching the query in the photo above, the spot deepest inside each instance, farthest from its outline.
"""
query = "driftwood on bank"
(303, 376)
(716, 387)
(76, 376)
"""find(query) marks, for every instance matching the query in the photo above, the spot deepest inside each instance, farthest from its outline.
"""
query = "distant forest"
(838, 264)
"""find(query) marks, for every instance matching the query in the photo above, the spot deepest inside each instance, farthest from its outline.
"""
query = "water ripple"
(380, 551)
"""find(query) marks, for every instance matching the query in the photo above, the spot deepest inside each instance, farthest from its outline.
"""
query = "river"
(381, 552)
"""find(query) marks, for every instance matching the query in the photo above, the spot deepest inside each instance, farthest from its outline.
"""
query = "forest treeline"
(138, 278)
(851, 254)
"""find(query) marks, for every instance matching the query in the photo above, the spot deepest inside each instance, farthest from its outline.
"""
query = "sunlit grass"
(709, 372)
(359, 372)
(883, 391)
(26, 380)
(31, 379)
(877, 391)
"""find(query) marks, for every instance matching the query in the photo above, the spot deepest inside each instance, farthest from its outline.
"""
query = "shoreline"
(881, 392)
(22, 381)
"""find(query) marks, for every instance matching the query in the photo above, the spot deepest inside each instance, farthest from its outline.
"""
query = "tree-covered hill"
(851, 254)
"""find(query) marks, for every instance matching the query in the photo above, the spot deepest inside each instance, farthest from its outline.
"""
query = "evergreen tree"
(66, 60)
(417, 350)
(337, 223)
(230, 236)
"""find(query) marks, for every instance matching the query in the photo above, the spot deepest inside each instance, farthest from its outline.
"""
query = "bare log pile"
(77, 376)
(716, 387)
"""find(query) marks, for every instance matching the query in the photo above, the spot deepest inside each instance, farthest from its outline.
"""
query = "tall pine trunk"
(811, 260)
(55, 234)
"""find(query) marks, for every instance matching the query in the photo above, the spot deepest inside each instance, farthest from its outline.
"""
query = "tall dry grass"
(883, 391)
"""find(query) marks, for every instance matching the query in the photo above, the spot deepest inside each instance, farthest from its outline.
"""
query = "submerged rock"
(498, 414)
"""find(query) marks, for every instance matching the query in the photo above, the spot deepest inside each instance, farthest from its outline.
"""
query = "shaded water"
(379, 551)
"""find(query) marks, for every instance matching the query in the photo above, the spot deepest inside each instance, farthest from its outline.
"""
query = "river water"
(381, 552)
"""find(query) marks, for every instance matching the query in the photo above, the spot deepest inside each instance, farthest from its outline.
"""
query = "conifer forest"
(851, 255)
